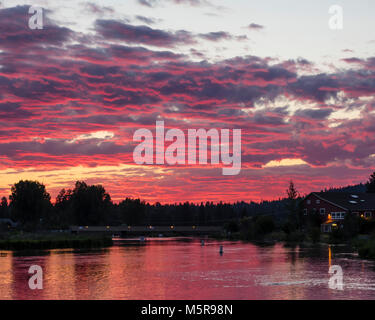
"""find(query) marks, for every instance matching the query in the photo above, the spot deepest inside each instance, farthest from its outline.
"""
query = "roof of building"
(349, 201)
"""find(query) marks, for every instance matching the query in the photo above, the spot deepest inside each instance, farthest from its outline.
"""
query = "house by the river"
(333, 206)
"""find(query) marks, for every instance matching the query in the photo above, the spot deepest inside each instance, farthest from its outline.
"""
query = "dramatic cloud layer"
(71, 101)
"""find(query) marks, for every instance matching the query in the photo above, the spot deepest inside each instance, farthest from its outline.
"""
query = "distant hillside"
(358, 188)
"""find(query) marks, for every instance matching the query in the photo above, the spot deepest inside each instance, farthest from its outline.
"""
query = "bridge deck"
(160, 229)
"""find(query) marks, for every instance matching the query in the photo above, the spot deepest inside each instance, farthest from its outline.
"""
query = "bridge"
(140, 230)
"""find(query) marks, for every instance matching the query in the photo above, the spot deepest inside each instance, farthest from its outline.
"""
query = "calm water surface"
(170, 268)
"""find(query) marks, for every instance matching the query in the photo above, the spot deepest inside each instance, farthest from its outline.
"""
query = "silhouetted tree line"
(358, 188)
(30, 205)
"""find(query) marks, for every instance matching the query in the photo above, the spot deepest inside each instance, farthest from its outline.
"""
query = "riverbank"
(364, 245)
(365, 248)
(32, 241)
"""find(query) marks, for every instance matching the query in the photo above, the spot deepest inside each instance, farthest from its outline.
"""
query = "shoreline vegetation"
(363, 244)
(366, 248)
(28, 219)
(47, 241)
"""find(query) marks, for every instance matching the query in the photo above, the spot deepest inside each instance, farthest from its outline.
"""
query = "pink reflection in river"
(175, 269)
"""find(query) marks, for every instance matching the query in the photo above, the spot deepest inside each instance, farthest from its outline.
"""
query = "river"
(176, 268)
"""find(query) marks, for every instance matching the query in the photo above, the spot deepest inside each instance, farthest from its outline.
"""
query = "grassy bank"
(311, 237)
(365, 248)
(52, 241)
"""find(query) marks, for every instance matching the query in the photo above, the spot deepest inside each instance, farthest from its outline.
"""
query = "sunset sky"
(73, 94)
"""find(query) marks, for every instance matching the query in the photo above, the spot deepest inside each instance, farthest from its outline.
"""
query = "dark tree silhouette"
(132, 212)
(292, 191)
(30, 203)
(370, 185)
(63, 199)
(4, 202)
(294, 216)
(63, 214)
(4, 210)
(91, 205)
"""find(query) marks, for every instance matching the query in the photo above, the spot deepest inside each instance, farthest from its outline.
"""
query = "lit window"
(308, 201)
(338, 215)
(317, 201)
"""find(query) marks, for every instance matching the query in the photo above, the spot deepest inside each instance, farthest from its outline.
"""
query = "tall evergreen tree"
(370, 185)
(292, 207)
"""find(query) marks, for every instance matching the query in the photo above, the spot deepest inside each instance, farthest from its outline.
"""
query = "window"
(322, 210)
(308, 201)
(338, 215)
(317, 201)
(305, 212)
(368, 214)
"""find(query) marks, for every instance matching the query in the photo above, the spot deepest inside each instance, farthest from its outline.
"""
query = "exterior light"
(108, 227)
(172, 227)
(129, 227)
(87, 227)
(194, 227)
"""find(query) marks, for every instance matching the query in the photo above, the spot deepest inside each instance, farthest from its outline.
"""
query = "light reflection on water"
(174, 269)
